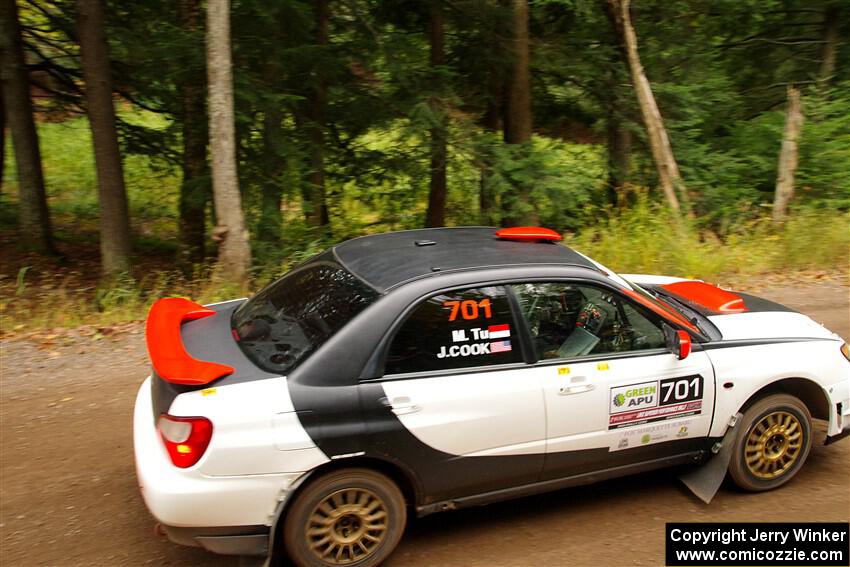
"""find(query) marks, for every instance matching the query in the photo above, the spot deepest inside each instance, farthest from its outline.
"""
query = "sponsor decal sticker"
(459, 336)
(647, 434)
(602, 366)
(477, 348)
(563, 371)
(634, 397)
(469, 309)
(659, 400)
(464, 350)
(499, 331)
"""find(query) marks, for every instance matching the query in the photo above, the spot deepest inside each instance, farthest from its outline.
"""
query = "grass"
(644, 240)
(71, 181)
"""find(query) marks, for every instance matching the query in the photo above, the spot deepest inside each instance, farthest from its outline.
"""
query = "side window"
(458, 329)
(569, 320)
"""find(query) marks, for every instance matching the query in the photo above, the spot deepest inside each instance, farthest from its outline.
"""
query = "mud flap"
(705, 481)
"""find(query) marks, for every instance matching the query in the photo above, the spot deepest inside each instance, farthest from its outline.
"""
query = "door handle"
(400, 405)
(578, 389)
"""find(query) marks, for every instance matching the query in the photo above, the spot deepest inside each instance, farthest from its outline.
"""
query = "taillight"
(185, 438)
(845, 350)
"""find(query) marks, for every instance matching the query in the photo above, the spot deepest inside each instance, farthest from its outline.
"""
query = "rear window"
(291, 318)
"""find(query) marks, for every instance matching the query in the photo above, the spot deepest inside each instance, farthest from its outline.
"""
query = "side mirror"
(678, 342)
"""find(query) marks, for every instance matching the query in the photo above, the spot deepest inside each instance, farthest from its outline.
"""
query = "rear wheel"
(348, 517)
(774, 439)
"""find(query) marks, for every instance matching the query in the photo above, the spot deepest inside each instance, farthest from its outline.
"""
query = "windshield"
(291, 318)
(654, 298)
(686, 316)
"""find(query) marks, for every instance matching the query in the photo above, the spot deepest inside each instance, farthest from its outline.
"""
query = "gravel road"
(68, 494)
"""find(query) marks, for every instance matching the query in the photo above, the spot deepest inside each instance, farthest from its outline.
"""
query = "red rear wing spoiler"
(165, 345)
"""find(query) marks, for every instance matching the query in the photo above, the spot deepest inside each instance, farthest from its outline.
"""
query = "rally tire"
(348, 517)
(773, 441)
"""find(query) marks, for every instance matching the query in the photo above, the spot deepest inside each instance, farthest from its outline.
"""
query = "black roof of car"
(393, 258)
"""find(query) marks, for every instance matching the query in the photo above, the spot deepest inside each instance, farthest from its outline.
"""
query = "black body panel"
(210, 339)
(388, 260)
(572, 463)
(759, 304)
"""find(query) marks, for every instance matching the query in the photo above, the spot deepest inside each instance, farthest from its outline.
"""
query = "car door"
(614, 395)
(466, 412)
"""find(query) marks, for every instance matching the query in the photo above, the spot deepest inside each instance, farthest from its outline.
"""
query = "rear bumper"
(235, 540)
(186, 498)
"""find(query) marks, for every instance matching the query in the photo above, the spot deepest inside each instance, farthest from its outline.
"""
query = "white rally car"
(428, 370)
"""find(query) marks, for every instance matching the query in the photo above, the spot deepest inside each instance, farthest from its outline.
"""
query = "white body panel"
(579, 399)
(769, 325)
(493, 413)
(256, 430)
(242, 476)
(750, 368)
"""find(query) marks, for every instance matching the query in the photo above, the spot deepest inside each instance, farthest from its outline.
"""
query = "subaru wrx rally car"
(427, 370)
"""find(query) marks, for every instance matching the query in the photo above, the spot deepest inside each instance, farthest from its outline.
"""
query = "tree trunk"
(490, 121)
(272, 190)
(619, 141)
(2, 135)
(788, 156)
(114, 217)
(436, 215)
(234, 252)
(619, 137)
(662, 153)
(831, 20)
(194, 190)
(517, 110)
(317, 208)
(35, 231)
(487, 205)
(518, 103)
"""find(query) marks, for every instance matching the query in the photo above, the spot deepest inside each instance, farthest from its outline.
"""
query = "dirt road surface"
(69, 495)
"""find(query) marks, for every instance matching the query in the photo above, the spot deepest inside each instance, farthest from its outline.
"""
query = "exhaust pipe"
(158, 531)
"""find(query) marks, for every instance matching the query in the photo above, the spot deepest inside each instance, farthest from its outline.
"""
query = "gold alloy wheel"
(347, 526)
(774, 445)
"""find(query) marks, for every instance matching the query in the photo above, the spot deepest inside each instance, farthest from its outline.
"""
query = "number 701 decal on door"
(469, 309)
(656, 400)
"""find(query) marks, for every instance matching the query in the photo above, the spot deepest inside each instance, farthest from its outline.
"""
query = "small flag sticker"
(499, 331)
(500, 346)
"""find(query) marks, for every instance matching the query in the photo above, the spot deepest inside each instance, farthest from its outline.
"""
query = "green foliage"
(368, 97)
(564, 179)
(642, 240)
(69, 174)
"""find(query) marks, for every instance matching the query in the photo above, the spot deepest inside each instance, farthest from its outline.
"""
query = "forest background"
(155, 148)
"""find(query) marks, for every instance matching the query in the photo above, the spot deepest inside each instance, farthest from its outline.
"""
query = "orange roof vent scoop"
(165, 345)
(529, 234)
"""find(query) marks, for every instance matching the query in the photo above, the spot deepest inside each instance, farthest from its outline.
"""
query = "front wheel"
(349, 517)
(774, 439)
